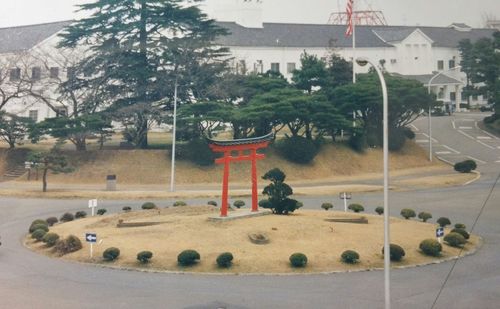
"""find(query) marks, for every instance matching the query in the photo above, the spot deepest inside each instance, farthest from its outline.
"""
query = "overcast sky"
(397, 12)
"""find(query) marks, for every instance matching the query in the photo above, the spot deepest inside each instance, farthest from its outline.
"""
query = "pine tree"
(139, 49)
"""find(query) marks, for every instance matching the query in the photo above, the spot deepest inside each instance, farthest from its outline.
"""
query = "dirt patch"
(304, 231)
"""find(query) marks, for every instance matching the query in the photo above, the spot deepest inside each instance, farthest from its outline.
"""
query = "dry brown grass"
(188, 228)
(153, 166)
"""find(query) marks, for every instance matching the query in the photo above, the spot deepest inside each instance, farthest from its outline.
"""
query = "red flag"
(349, 29)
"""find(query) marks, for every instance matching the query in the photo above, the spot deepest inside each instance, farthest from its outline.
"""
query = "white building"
(415, 52)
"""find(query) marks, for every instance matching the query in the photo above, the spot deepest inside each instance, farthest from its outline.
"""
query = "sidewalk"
(399, 180)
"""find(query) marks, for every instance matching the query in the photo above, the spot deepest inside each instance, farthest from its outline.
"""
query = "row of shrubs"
(39, 230)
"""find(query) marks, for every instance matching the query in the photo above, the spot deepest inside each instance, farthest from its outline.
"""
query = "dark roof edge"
(40, 24)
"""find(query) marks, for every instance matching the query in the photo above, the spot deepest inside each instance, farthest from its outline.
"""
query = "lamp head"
(361, 61)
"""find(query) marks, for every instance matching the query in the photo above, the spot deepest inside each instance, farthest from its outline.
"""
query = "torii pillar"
(249, 145)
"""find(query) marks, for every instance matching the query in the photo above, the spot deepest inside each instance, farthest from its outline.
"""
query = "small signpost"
(439, 234)
(92, 239)
(27, 166)
(345, 196)
(93, 205)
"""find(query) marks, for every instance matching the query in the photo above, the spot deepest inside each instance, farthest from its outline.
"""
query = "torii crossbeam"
(240, 146)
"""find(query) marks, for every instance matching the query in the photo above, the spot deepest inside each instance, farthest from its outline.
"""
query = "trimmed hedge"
(144, 256)
(68, 245)
(431, 247)
(350, 257)
(379, 210)
(465, 166)
(356, 207)
(443, 221)
(454, 239)
(460, 226)
(50, 239)
(80, 214)
(188, 257)
(327, 206)
(224, 260)
(38, 234)
(238, 204)
(408, 213)
(213, 203)
(148, 205)
(101, 211)
(39, 226)
(51, 221)
(298, 260)
(179, 203)
(126, 208)
(462, 232)
(67, 217)
(396, 252)
(424, 216)
(111, 254)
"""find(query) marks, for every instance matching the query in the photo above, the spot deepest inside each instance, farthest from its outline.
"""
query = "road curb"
(478, 175)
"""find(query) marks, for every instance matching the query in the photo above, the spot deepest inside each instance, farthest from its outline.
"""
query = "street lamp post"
(387, 262)
(430, 121)
(172, 166)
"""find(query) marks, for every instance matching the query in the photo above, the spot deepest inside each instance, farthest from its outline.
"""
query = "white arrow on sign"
(91, 237)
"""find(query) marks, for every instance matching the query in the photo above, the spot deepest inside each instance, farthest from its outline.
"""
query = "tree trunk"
(142, 132)
(44, 180)
(81, 144)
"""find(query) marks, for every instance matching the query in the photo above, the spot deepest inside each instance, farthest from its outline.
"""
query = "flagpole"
(353, 21)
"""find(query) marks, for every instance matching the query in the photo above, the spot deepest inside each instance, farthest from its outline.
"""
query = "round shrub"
(462, 232)
(238, 204)
(379, 210)
(80, 214)
(50, 239)
(454, 239)
(358, 142)
(408, 213)
(39, 226)
(213, 203)
(51, 221)
(188, 257)
(460, 226)
(67, 217)
(68, 245)
(144, 256)
(465, 166)
(197, 151)
(126, 208)
(349, 257)
(111, 254)
(148, 205)
(297, 149)
(431, 247)
(327, 206)
(356, 207)
(265, 204)
(298, 260)
(179, 203)
(38, 222)
(101, 211)
(38, 234)
(443, 221)
(224, 260)
(396, 252)
(424, 216)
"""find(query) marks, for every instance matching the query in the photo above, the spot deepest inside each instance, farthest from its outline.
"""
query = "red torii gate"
(240, 145)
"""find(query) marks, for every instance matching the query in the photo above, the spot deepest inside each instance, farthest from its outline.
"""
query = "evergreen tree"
(139, 49)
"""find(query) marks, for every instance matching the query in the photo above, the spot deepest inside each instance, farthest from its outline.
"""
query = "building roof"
(441, 79)
(15, 39)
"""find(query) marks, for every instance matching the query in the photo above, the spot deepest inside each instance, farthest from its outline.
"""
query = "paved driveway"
(28, 280)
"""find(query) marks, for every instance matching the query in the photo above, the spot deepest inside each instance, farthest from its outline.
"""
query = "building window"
(290, 67)
(275, 67)
(258, 67)
(54, 72)
(33, 115)
(451, 64)
(70, 72)
(61, 111)
(36, 73)
(453, 96)
(393, 61)
(440, 65)
(15, 74)
(441, 93)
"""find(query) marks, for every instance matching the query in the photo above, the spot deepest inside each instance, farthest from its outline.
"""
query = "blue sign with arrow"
(439, 232)
(91, 237)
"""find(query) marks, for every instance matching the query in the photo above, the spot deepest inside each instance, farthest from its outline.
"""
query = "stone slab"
(240, 214)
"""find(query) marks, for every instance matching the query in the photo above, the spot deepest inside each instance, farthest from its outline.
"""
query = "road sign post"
(345, 196)
(92, 239)
(439, 234)
(93, 205)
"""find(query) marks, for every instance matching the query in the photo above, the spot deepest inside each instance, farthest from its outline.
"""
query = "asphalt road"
(28, 280)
